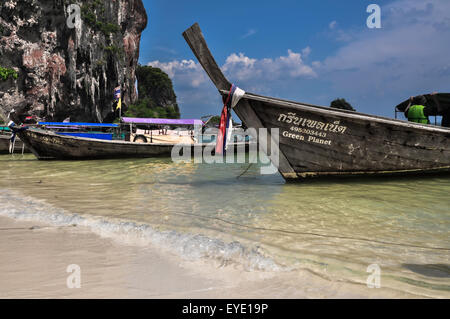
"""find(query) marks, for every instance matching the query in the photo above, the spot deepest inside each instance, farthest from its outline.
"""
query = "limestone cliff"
(69, 67)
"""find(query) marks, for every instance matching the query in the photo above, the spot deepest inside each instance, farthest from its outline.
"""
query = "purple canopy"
(137, 120)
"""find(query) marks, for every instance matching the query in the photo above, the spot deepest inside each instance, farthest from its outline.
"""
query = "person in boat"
(418, 111)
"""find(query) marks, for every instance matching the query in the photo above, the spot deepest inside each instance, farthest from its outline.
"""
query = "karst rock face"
(69, 67)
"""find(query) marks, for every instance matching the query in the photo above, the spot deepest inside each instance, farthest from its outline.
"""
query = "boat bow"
(318, 141)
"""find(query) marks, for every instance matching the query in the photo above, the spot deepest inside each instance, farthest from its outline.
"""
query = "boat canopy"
(157, 121)
(74, 124)
(439, 103)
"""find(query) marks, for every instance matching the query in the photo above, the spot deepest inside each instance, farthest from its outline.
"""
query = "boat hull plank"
(46, 145)
(244, 110)
(313, 142)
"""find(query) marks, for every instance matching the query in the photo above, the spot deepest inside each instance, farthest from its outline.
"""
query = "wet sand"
(35, 257)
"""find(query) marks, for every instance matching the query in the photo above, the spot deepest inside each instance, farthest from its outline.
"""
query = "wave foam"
(189, 246)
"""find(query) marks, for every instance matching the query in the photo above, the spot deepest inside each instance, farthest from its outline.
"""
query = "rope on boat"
(245, 171)
(317, 234)
(264, 229)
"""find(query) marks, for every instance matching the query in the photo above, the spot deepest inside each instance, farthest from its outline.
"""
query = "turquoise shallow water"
(335, 229)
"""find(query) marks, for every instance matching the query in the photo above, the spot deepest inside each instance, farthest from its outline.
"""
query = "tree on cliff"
(156, 95)
(342, 104)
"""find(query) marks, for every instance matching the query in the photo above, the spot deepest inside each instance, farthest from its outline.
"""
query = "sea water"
(338, 230)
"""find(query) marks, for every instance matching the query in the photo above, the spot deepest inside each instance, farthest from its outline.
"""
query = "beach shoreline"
(36, 257)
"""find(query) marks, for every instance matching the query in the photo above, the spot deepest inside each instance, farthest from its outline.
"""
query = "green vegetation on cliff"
(5, 73)
(114, 51)
(93, 13)
(156, 95)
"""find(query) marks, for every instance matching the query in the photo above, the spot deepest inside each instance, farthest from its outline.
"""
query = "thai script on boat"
(292, 118)
(51, 140)
(310, 139)
(308, 131)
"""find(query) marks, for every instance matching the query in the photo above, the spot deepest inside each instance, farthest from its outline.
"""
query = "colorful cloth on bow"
(117, 93)
(226, 121)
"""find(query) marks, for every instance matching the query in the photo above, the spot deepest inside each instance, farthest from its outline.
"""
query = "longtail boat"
(47, 143)
(89, 130)
(316, 141)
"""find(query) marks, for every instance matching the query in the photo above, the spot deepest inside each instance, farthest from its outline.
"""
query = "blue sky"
(309, 51)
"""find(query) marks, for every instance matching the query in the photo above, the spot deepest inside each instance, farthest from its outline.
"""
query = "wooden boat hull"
(4, 145)
(317, 141)
(47, 145)
(321, 142)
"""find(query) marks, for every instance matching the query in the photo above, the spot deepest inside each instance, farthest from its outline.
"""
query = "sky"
(308, 51)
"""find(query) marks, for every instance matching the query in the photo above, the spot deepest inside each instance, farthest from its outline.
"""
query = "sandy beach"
(302, 153)
(35, 257)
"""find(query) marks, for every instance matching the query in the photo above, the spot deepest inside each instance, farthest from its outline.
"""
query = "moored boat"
(5, 142)
(315, 141)
(46, 145)
(135, 137)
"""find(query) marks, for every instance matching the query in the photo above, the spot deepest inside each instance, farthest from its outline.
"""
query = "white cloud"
(408, 55)
(332, 25)
(242, 68)
(375, 68)
(239, 67)
(165, 49)
(187, 72)
(306, 52)
(249, 33)
(195, 93)
(193, 87)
